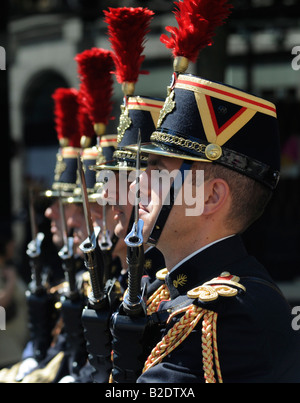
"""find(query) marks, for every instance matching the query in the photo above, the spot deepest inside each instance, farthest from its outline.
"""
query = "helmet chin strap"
(166, 208)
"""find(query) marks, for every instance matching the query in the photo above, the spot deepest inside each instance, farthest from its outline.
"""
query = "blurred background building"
(254, 52)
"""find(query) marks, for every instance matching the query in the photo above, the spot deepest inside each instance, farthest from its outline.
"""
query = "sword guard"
(34, 248)
(92, 253)
(135, 236)
(67, 251)
(106, 243)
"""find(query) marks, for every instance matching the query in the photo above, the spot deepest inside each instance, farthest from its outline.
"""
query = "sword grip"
(75, 341)
(94, 264)
(70, 275)
(34, 253)
(36, 285)
(42, 319)
(135, 261)
(128, 350)
(98, 342)
(133, 301)
(68, 263)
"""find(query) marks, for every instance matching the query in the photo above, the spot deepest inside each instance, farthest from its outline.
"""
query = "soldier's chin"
(79, 252)
(121, 229)
(77, 240)
(57, 240)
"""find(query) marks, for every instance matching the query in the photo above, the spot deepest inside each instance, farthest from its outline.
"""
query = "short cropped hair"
(249, 197)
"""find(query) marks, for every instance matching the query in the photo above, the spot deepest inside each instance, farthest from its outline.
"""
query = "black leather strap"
(166, 208)
(249, 167)
(232, 159)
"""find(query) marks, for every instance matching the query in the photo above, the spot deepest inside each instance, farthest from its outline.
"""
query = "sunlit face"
(97, 212)
(153, 196)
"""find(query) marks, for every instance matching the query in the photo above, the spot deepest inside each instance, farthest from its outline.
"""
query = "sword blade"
(64, 229)
(33, 224)
(137, 179)
(85, 200)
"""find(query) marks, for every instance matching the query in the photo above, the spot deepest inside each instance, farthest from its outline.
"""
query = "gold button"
(213, 152)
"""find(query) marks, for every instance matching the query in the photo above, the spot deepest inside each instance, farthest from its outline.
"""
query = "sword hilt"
(94, 263)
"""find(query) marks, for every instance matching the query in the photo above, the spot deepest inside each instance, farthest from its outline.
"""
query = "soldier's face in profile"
(76, 222)
(53, 214)
(153, 196)
(98, 216)
(121, 209)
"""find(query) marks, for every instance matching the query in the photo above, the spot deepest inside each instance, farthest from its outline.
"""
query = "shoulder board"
(226, 285)
(161, 274)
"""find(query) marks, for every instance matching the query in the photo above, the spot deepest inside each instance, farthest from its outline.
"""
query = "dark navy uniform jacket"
(256, 342)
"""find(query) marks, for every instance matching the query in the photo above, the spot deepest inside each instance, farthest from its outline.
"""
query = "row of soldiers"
(153, 294)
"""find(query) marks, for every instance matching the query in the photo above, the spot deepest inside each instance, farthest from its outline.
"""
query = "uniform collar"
(205, 264)
(154, 261)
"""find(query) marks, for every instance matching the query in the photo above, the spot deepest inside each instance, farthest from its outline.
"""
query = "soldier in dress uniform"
(42, 297)
(66, 361)
(143, 113)
(94, 68)
(66, 102)
(107, 240)
(138, 113)
(228, 321)
(67, 351)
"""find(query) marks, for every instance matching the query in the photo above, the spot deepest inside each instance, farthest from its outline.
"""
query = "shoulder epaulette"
(225, 285)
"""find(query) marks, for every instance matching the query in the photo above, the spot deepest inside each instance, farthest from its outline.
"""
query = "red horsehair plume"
(127, 28)
(197, 21)
(85, 124)
(66, 108)
(95, 71)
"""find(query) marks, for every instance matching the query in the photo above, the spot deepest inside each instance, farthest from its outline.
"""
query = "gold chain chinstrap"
(178, 141)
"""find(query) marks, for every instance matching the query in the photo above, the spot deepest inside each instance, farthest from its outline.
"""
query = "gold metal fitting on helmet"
(99, 128)
(213, 152)
(180, 64)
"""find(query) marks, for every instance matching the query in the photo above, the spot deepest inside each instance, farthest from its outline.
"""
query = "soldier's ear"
(216, 196)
